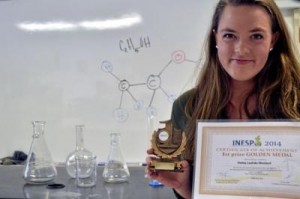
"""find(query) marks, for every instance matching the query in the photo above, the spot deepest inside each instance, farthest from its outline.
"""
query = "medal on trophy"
(168, 144)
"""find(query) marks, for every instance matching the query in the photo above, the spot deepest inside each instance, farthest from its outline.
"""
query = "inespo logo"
(255, 142)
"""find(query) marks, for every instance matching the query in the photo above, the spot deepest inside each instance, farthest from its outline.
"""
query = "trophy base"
(165, 166)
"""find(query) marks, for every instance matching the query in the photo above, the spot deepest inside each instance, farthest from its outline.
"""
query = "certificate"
(239, 160)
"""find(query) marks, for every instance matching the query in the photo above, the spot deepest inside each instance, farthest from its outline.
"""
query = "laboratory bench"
(12, 185)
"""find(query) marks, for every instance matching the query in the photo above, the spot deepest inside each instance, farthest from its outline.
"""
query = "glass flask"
(79, 151)
(115, 169)
(39, 167)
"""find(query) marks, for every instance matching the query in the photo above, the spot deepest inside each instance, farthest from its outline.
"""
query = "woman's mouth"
(242, 61)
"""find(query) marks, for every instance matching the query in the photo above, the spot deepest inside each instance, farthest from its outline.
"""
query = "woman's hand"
(180, 181)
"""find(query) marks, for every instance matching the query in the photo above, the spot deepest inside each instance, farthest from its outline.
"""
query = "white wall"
(55, 74)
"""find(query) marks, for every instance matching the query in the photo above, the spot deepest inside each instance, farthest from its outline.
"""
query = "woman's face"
(244, 40)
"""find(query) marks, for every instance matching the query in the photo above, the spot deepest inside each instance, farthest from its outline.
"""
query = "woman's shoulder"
(179, 116)
(183, 98)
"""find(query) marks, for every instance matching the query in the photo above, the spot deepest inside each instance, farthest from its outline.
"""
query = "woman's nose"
(241, 48)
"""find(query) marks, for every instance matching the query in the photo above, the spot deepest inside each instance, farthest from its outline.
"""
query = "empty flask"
(80, 150)
(39, 167)
(115, 169)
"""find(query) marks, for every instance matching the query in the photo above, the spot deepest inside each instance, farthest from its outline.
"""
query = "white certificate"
(239, 160)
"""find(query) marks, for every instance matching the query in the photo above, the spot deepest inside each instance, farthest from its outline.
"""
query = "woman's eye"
(228, 36)
(257, 36)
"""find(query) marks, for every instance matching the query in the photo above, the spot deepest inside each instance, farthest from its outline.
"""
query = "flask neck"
(38, 128)
(79, 137)
(115, 139)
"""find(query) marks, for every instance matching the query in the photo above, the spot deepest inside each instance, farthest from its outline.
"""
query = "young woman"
(250, 72)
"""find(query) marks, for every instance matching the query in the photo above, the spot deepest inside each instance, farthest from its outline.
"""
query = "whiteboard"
(104, 64)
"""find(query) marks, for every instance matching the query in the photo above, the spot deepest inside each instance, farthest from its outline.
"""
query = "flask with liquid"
(115, 169)
(39, 167)
(80, 150)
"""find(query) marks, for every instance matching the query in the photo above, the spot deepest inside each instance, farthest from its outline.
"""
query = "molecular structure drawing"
(153, 83)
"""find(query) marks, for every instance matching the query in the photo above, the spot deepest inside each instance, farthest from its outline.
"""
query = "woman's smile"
(241, 61)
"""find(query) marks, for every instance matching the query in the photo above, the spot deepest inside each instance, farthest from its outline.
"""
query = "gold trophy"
(168, 144)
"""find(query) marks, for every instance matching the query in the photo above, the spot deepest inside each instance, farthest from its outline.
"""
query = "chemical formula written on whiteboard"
(130, 45)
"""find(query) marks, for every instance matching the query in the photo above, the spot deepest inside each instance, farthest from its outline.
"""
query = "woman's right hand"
(180, 181)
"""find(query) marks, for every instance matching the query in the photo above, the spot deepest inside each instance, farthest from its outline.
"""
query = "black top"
(179, 118)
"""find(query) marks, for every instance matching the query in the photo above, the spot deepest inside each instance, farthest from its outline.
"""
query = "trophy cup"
(168, 144)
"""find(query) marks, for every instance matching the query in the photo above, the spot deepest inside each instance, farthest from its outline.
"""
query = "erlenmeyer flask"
(79, 151)
(115, 169)
(39, 167)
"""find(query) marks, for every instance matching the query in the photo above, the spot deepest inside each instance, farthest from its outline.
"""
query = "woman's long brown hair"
(277, 86)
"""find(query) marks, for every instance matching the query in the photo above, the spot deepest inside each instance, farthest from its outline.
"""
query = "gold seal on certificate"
(168, 144)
